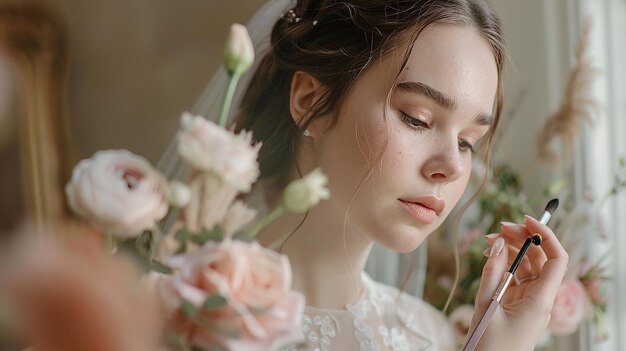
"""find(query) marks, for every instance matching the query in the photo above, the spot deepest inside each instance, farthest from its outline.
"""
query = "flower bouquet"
(218, 289)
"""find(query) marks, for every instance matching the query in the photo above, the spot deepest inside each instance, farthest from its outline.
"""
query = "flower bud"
(303, 194)
(179, 194)
(239, 51)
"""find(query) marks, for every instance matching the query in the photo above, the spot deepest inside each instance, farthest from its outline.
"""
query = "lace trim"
(319, 330)
(394, 338)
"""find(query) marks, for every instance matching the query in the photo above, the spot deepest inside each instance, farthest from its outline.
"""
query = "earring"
(307, 133)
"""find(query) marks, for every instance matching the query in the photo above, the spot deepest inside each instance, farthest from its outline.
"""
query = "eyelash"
(421, 126)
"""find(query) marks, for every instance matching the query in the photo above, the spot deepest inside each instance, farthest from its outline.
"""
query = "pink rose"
(118, 191)
(256, 284)
(570, 308)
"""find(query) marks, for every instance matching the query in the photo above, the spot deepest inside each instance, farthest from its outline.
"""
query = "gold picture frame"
(34, 43)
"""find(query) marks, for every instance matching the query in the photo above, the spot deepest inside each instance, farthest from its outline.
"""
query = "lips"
(424, 208)
(433, 202)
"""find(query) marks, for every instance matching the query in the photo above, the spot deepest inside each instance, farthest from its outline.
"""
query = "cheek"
(371, 137)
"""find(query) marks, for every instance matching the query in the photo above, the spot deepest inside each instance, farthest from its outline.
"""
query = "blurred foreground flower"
(72, 296)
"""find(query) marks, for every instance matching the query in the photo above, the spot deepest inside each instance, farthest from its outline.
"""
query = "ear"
(305, 91)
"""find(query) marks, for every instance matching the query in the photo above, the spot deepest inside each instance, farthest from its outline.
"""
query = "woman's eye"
(414, 122)
(465, 146)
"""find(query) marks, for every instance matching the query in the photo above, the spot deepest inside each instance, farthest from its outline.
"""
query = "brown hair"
(335, 41)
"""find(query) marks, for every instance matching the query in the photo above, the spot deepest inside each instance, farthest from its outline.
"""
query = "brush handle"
(481, 326)
(486, 318)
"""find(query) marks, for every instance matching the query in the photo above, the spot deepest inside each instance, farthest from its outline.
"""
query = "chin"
(402, 238)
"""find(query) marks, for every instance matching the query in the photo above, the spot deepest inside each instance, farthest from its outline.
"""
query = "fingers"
(515, 236)
(517, 233)
(556, 264)
(492, 274)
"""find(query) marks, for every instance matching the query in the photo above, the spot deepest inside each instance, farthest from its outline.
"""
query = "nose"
(445, 164)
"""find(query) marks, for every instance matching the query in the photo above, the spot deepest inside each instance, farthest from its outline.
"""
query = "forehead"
(457, 61)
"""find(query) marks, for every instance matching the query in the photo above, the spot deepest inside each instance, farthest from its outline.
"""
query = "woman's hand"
(524, 310)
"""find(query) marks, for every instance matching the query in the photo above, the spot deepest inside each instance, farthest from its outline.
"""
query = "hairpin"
(292, 17)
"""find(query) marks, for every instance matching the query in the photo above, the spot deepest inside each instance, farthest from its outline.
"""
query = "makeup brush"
(506, 280)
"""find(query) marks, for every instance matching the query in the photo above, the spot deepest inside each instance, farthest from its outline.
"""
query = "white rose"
(239, 51)
(118, 191)
(302, 194)
(211, 148)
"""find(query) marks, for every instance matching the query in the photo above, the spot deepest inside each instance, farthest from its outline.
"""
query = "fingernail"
(497, 247)
(529, 217)
(486, 252)
(492, 235)
(508, 224)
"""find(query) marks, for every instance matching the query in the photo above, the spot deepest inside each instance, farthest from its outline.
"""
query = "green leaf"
(189, 311)
(214, 301)
(160, 267)
(181, 235)
(241, 236)
(175, 340)
(216, 234)
(233, 334)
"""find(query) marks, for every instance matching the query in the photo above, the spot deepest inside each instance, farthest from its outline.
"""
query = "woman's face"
(416, 162)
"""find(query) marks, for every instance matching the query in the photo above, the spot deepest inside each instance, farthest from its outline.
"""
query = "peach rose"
(118, 191)
(570, 308)
(260, 311)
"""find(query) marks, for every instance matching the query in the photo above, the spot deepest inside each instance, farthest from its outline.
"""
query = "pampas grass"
(576, 107)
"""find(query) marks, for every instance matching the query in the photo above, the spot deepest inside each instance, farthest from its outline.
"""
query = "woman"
(391, 99)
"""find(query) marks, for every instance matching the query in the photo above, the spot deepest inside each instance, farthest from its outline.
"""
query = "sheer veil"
(383, 265)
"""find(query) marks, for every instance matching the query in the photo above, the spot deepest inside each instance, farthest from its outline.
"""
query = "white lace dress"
(379, 321)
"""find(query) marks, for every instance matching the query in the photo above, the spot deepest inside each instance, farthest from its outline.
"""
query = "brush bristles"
(552, 205)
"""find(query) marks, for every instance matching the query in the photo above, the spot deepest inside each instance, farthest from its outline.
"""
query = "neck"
(327, 260)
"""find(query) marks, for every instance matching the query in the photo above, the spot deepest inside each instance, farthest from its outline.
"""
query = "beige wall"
(137, 64)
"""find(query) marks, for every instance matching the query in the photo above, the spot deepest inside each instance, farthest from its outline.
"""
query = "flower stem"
(274, 215)
(276, 244)
(110, 242)
(228, 100)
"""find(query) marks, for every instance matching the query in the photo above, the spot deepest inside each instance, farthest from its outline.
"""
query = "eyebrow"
(443, 100)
